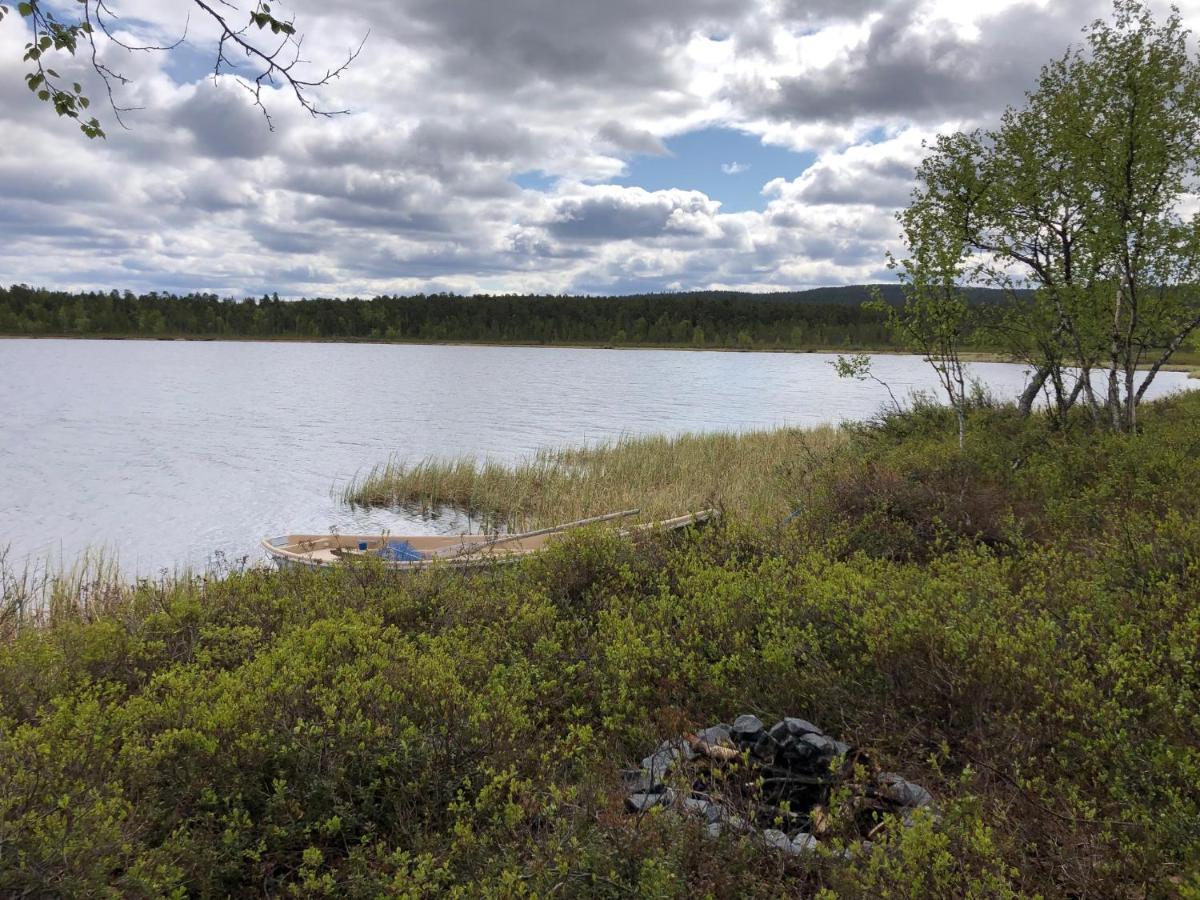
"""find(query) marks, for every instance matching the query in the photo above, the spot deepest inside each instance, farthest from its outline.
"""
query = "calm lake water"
(169, 453)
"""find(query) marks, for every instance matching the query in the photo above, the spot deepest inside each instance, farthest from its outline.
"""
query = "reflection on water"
(168, 452)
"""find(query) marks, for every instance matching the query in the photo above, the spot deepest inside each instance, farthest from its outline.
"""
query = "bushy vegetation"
(1016, 626)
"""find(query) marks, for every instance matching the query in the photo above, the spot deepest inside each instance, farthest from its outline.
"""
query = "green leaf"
(25, 9)
(43, 95)
(78, 87)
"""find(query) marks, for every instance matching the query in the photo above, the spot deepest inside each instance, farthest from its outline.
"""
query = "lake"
(169, 454)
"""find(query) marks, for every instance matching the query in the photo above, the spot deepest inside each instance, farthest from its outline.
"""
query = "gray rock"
(899, 790)
(679, 748)
(714, 829)
(737, 823)
(804, 843)
(715, 736)
(711, 812)
(825, 746)
(643, 782)
(777, 840)
(765, 748)
(786, 730)
(659, 763)
(747, 729)
(642, 802)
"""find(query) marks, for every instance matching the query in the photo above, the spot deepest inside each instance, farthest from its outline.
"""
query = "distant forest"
(820, 318)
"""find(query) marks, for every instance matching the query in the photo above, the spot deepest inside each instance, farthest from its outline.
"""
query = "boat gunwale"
(278, 548)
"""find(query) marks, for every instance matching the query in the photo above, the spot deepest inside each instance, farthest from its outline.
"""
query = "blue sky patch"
(188, 63)
(876, 135)
(535, 180)
(726, 164)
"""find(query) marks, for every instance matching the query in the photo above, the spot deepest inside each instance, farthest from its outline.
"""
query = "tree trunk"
(1114, 389)
(1029, 395)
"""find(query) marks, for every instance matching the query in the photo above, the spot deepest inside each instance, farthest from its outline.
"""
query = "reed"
(38, 592)
(755, 473)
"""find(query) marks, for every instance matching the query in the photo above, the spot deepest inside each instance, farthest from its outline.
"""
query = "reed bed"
(757, 474)
(35, 593)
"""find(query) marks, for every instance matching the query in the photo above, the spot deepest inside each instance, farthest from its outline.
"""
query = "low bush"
(1016, 627)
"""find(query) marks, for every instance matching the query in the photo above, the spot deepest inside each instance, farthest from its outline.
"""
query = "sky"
(496, 146)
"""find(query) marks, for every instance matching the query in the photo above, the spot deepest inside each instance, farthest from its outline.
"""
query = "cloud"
(454, 99)
(907, 65)
(622, 138)
(619, 214)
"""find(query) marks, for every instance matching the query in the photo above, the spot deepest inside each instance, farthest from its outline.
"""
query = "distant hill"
(849, 295)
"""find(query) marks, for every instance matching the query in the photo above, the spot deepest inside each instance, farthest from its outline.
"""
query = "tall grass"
(756, 473)
(34, 593)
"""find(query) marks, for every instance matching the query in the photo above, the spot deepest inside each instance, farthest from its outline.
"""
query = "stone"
(899, 790)
(800, 756)
(714, 829)
(677, 748)
(737, 823)
(788, 729)
(777, 840)
(825, 746)
(659, 763)
(642, 802)
(804, 843)
(642, 781)
(711, 812)
(746, 729)
(715, 736)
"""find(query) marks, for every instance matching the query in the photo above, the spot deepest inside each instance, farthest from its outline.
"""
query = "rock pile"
(748, 777)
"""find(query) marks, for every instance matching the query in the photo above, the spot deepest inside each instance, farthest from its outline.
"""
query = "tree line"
(833, 317)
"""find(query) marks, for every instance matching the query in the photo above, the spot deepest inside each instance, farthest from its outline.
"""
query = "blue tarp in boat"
(400, 551)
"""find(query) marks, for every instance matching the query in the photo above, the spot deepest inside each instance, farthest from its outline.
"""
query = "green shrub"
(1017, 627)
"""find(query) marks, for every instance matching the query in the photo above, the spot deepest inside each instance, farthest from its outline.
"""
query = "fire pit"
(776, 781)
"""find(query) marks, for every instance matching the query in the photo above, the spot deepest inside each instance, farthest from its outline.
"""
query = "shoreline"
(1191, 366)
(564, 345)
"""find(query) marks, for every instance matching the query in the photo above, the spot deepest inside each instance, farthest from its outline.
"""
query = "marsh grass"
(757, 474)
(38, 592)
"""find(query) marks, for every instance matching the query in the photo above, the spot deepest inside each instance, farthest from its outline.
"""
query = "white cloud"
(451, 99)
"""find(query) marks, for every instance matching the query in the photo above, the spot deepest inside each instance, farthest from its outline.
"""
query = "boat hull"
(408, 553)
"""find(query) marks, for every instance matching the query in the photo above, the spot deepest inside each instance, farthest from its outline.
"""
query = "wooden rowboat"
(462, 551)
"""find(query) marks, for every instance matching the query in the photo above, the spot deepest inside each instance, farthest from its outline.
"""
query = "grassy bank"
(1017, 627)
(753, 474)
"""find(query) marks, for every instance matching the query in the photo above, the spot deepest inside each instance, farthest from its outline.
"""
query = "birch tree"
(1083, 194)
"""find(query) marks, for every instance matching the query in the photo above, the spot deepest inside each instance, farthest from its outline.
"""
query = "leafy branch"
(277, 59)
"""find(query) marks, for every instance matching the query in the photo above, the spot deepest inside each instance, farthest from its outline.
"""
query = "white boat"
(409, 552)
